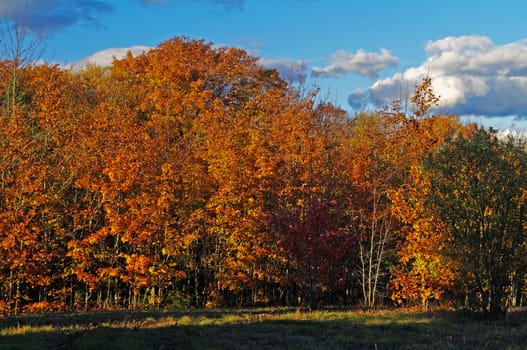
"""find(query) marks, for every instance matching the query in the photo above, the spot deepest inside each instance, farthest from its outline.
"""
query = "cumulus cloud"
(364, 63)
(289, 70)
(105, 57)
(42, 17)
(471, 74)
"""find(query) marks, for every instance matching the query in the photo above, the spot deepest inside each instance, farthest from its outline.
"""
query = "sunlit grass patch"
(26, 329)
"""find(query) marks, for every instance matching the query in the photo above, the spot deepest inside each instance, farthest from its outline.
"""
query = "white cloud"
(471, 74)
(105, 57)
(364, 63)
(290, 70)
(458, 44)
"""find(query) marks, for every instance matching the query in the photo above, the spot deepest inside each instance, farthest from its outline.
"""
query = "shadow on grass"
(261, 330)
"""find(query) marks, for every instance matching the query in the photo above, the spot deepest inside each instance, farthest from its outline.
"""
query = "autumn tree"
(421, 274)
(477, 190)
(310, 201)
(35, 189)
(179, 169)
(29, 171)
(384, 150)
(235, 145)
(373, 173)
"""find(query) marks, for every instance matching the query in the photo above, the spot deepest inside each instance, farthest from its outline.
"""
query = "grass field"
(262, 329)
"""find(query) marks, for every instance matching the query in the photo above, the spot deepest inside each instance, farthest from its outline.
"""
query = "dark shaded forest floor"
(267, 328)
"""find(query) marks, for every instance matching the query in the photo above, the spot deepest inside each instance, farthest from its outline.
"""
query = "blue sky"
(361, 54)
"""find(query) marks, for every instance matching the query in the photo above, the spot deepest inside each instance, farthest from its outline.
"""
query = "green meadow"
(262, 329)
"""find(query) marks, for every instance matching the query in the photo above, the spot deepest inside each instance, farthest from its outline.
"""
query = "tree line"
(190, 176)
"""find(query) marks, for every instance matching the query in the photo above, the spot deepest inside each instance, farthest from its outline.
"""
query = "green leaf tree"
(478, 189)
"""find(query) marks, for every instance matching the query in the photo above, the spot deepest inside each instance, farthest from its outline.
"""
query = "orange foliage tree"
(373, 170)
(423, 273)
(310, 202)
